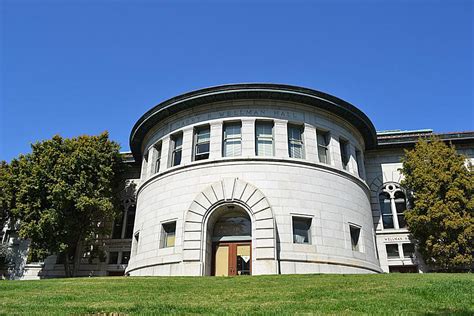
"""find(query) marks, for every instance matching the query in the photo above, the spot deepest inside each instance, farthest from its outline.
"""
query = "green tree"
(65, 192)
(5, 193)
(441, 215)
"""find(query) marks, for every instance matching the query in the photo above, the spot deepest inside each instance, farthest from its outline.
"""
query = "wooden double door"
(232, 258)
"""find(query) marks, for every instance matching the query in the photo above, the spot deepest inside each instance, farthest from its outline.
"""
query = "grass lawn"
(334, 294)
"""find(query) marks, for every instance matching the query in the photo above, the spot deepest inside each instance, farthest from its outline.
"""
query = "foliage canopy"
(64, 192)
(441, 218)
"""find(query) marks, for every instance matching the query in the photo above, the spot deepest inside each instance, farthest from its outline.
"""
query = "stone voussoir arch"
(230, 190)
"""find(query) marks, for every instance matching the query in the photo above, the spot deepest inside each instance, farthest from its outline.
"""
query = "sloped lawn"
(283, 294)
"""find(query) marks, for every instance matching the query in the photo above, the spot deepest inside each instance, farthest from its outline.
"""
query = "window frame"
(327, 140)
(176, 149)
(358, 247)
(345, 153)
(265, 138)
(196, 142)
(309, 231)
(398, 251)
(295, 141)
(158, 150)
(164, 234)
(226, 139)
(391, 190)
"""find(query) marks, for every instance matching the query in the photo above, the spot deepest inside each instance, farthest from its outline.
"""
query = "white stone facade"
(273, 189)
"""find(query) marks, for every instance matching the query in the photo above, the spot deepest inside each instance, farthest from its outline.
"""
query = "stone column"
(188, 144)
(215, 150)
(309, 143)
(280, 136)
(335, 150)
(393, 207)
(165, 153)
(248, 137)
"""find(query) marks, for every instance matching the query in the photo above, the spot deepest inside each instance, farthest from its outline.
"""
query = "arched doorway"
(230, 238)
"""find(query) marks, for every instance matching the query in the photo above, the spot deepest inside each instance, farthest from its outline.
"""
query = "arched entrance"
(230, 232)
(208, 208)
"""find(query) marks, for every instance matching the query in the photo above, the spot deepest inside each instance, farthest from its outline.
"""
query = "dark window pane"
(301, 230)
(408, 250)
(177, 158)
(113, 257)
(130, 221)
(355, 234)
(392, 251)
(125, 257)
(402, 223)
(387, 221)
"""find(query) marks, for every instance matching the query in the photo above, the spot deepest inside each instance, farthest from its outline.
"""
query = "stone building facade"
(260, 179)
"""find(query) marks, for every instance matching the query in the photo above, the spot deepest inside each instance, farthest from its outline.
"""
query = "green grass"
(427, 294)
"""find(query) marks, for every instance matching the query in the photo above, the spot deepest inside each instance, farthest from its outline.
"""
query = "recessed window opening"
(202, 139)
(355, 236)
(295, 141)
(392, 251)
(408, 250)
(264, 138)
(301, 230)
(393, 204)
(158, 157)
(344, 146)
(168, 232)
(323, 146)
(130, 221)
(177, 147)
(232, 142)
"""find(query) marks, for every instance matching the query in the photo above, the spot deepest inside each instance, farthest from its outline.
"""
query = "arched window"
(392, 206)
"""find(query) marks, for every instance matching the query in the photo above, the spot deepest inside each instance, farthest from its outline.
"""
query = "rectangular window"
(113, 257)
(130, 221)
(232, 145)
(344, 146)
(168, 231)
(360, 163)
(125, 257)
(264, 138)
(158, 158)
(392, 251)
(323, 146)
(177, 148)
(355, 236)
(301, 230)
(408, 250)
(295, 141)
(202, 140)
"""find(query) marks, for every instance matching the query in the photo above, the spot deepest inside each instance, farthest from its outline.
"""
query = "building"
(260, 179)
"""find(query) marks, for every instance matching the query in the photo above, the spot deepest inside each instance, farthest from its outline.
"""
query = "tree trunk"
(67, 267)
(77, 258)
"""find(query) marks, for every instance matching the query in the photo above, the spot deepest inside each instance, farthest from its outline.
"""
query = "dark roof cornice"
(247, 91)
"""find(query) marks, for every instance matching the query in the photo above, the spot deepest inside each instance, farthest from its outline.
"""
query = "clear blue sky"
(82, 67)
